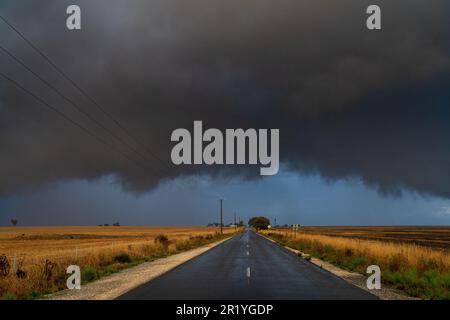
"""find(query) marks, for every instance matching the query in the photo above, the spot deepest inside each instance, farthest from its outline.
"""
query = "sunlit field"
(33, 260)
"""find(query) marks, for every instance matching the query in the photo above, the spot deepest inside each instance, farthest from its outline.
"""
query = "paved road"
(247, 266)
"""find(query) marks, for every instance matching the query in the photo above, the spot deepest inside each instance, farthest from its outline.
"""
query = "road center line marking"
(248, 253)
(248, 272)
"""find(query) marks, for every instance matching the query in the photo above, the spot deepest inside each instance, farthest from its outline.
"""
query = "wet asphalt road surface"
(247, 267)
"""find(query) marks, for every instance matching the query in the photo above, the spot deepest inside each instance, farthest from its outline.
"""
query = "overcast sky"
(363, 115)
(289, 198)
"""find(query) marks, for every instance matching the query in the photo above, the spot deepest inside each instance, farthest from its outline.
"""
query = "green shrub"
(33, 295)
(89, 274)
(9, 296)
(428, 285)
(358, 263)
(162, 239)
(107, 271)
(122, 258)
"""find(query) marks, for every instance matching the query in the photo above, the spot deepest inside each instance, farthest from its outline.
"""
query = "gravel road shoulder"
(356, 279)
(115, 285)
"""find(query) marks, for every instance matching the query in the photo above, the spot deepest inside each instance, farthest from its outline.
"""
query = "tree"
(117, 224)
(14, 222)
(259, 223)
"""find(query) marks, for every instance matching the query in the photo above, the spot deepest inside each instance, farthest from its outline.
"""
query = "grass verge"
(417, 271)
(46, 277)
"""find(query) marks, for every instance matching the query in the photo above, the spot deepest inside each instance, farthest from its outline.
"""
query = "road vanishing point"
(247, 267)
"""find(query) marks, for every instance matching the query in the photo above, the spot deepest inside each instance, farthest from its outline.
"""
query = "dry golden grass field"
(33, 259)
(436, 237)
(414, 259)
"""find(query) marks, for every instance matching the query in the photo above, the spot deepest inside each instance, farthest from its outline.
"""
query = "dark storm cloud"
(348, 101)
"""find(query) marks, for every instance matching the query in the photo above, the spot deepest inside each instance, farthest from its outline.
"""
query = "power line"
(90, 133)
(71, 102)
(80, 126)
(67, 118)
(84, 93)
(92, 100)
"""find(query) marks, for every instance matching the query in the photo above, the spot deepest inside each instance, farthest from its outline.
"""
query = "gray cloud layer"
(348, 102)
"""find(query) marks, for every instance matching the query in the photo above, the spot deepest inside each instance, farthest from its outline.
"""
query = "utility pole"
(235, 225)
(221, 216)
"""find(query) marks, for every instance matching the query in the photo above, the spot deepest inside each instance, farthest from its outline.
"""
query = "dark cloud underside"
(348, 102)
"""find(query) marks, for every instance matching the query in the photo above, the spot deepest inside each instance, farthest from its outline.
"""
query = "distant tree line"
(259, 223)
(116, 224)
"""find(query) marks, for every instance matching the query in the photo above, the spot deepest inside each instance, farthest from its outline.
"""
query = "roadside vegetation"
(418, 271)
(429, 236)
(259, 223)
(33, 261)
